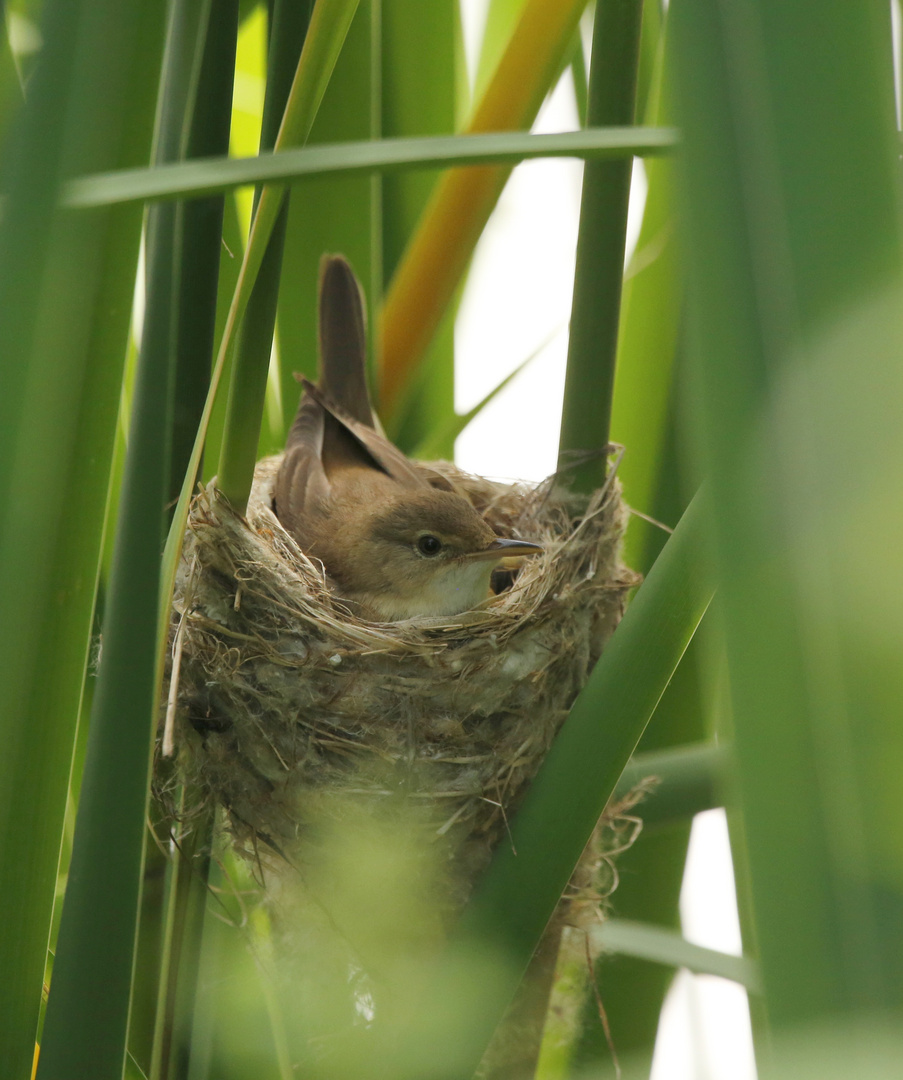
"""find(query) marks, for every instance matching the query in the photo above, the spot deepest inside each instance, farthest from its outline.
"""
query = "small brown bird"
(397, 542)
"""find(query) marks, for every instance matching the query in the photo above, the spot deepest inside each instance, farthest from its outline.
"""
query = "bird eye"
(429, 545)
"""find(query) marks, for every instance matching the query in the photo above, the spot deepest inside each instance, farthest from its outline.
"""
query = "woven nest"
(289, 704)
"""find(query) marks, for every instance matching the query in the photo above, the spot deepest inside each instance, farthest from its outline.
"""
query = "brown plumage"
(397, 542)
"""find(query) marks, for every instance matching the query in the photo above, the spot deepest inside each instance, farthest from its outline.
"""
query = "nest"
(289, 704)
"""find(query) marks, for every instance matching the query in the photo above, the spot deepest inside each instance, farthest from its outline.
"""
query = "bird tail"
(343, 339)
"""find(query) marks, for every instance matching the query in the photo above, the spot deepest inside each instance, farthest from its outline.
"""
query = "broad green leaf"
(418, 98)
(87, 1016)
(65, 288)
(248, 95)
(794, 278)
(11, 95)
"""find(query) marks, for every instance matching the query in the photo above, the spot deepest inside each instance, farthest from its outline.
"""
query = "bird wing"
(302, 486)
(347, 438)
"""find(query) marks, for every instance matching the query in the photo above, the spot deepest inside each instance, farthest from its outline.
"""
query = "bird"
(396, 540)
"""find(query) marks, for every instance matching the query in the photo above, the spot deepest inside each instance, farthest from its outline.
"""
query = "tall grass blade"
(183, 256)
(651, 872)
(230, 254)
(652, 40)
(254, 343)
(346, 214)
(183, 36)
(329, 26)
(181, 63)
(648, 381)
(581, 81)
(649, 385)
(599, 271)
(184, 906)
(199, 223)
(87, 1015)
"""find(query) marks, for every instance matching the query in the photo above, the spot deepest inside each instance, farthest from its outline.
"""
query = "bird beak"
(506, 549)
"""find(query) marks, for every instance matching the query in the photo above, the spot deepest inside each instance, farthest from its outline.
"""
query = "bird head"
(425, 552)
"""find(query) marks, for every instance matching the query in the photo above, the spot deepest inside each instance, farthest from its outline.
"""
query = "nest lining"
(289, 703)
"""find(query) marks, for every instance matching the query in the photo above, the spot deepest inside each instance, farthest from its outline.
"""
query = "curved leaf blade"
(215, 175)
